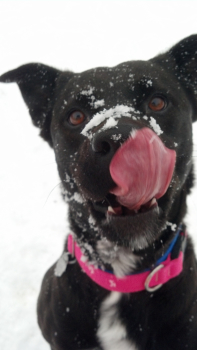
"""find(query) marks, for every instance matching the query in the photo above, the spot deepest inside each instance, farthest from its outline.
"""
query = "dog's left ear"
(182, 58)
(37, 83)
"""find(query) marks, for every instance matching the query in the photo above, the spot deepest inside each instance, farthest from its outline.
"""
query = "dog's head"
(96, 120)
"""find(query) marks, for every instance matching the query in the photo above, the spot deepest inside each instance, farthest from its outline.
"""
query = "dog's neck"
(170, 265)
(123, 261)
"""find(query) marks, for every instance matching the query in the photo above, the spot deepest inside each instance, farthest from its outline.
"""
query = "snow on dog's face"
(116, 133)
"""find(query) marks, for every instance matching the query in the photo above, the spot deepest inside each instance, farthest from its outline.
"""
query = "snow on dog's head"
(109, 117)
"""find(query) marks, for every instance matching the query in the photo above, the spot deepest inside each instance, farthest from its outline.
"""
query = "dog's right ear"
(37, 84)
(181, 60)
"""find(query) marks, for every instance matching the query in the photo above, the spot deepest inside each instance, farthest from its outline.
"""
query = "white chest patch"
(112, 333)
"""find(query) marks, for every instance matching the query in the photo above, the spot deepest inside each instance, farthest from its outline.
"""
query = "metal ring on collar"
(150, 276)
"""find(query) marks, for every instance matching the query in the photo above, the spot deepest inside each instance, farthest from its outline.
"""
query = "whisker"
(50, 193)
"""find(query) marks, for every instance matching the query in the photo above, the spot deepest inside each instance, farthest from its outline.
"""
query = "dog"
(122, 137)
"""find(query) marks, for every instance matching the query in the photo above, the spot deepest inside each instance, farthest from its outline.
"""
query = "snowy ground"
(76, 35)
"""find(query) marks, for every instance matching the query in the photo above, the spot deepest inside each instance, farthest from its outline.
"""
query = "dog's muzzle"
(139, 164)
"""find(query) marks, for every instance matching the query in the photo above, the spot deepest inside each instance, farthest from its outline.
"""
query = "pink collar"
(150, 280)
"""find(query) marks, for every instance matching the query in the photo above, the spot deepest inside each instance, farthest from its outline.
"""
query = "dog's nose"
(107, 142)
(103, 145)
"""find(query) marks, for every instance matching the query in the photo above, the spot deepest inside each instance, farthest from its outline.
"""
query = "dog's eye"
(76, 118)
(157, 103)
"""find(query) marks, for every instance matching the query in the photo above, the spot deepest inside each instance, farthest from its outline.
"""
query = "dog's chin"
(128, 228)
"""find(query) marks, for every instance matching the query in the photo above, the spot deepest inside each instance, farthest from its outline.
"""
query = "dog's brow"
(85, 94)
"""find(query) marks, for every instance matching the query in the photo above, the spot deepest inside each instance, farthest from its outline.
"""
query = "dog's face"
(154, 99)
(87, 117)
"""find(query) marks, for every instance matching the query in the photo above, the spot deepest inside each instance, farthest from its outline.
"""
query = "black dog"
(127, 279)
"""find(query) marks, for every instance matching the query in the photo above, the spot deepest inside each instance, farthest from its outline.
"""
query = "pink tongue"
(142, 169)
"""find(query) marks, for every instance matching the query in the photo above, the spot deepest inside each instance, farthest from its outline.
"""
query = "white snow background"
(75, 35)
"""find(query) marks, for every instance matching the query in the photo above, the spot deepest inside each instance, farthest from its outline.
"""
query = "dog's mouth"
(142, 170)
(110, 206)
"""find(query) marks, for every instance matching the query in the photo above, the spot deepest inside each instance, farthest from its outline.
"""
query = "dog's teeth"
(153, 202)
(111, 210)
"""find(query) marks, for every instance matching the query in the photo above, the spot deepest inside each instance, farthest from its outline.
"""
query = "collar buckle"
(149, 278)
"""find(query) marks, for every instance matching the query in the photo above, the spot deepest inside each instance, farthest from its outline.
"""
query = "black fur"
(69, 306)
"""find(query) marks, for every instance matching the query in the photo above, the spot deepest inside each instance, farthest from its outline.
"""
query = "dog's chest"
(112, 333)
